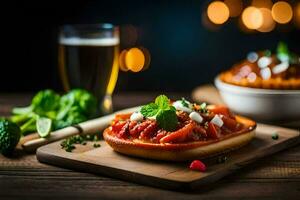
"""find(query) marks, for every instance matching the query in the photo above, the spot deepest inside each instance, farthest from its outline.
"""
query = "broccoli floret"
(9, 136)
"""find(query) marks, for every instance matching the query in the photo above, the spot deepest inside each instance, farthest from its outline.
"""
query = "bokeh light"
(262, 3)
(268, 22)
(282, 12)
(252, 18)
(218, 12)
(297, 15)
(135, 59)
(147, 58)
(122, 64)
(235, 7)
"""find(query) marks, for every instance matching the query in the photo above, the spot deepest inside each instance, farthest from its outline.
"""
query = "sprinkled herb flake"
(275, 136)
(69, 143)
(96, 145)
(184, 102)
(222, 159)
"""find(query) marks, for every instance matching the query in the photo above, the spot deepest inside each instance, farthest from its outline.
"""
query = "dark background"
(184, 53)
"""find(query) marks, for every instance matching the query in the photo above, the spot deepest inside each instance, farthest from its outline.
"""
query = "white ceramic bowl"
(261, 104)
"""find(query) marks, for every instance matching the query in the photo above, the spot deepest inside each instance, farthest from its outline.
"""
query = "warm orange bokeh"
(135, 59)
(218, 12)
(122, 63)
(282, 12)
(262, 3)
(268, 22)
(252, 18)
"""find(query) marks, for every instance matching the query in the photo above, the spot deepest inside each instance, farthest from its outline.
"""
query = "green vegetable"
(164, 112)
(9, 136)
(74, 107)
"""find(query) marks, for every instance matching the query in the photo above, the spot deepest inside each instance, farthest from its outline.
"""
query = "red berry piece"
(198, 165)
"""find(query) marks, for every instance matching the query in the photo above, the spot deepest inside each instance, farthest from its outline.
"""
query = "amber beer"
(89, 63)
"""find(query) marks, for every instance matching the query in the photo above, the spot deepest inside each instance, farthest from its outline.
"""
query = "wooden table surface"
(23, 177)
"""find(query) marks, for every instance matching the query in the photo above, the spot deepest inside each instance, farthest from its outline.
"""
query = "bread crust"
(183, 151)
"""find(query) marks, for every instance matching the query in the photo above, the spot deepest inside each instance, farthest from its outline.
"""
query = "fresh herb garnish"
(184, 102)
(203, 108)
(69, 143)
(222, 159)
(164, 112)
(284, 55)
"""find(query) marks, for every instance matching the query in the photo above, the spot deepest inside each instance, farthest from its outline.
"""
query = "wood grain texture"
(23, 177)
(167, 174)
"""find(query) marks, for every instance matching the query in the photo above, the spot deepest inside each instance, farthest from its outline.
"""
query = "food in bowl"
(178, 131)
(263, 69)
(265, 86)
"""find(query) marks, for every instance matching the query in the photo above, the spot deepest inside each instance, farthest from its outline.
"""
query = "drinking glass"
(88, 59)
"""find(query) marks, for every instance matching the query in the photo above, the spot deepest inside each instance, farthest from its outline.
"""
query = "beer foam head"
(74, 41)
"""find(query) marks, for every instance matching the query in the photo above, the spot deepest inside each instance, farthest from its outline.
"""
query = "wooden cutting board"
(105, 161)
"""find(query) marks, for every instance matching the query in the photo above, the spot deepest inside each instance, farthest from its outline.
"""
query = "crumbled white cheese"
(217, 121)
(136, 116)
(264, 61)
(280, 67)
(252, 57)
(196, 117)
(178, 106)
(265, 73)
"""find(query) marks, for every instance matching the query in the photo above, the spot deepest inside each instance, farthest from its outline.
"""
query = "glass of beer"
(88, 59)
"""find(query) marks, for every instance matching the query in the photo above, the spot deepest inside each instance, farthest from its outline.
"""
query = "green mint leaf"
(162, 101)
(203, 108)
(282, 48)
(184, 102)
(150, 110)
(172, 108)
(167, 120)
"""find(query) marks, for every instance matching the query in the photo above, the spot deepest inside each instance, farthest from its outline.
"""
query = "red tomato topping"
(213, 131)
(178, 135)
(222, 110)
(117, 126)
(230, 123)
(198, 165)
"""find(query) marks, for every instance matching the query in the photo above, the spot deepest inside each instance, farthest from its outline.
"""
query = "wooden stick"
(91, 126)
